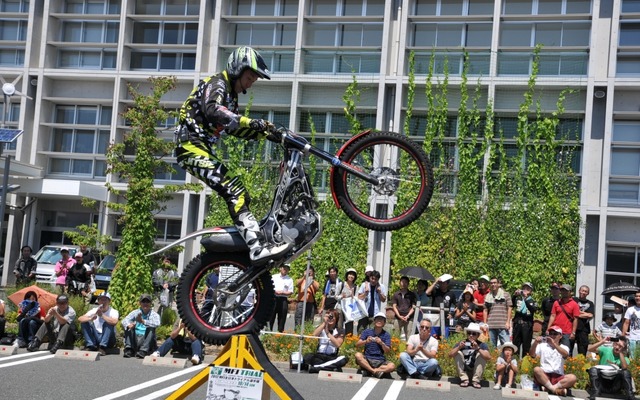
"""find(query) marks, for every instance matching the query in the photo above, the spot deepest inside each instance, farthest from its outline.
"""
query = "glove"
(261, 125)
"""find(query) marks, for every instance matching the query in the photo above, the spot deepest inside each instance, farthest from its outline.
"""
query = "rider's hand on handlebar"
(261, 125)
(275, 135)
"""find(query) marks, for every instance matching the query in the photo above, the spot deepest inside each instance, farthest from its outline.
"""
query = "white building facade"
(75, 59)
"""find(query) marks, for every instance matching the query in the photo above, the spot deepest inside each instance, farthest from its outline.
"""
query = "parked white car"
(47, 257)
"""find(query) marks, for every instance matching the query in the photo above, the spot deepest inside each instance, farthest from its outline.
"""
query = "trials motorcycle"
(382, 180)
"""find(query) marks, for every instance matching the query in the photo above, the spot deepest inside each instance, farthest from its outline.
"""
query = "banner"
(226, 383)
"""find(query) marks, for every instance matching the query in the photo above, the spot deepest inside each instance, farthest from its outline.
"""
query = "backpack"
(78, 273)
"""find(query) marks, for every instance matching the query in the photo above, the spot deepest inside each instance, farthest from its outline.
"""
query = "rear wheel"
(215, 314)
(405, 175)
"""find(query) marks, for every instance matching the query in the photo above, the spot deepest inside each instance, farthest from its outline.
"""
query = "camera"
(467, 344)
(544, 338)
(614, 339)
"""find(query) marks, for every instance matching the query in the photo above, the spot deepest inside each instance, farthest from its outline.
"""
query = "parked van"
(47, 257)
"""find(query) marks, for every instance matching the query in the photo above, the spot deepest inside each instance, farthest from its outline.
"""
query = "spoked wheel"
(215, 314)
(405, 175)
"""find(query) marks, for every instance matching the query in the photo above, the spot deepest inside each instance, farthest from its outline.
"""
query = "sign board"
(227, 383)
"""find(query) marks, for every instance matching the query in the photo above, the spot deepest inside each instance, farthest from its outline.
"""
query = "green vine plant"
(511, 215)
(137, 205)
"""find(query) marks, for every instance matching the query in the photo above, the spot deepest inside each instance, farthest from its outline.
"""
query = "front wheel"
(213, 312)
(405, 181)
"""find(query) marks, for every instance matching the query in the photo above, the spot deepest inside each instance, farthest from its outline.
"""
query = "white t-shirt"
(98, 322)
(430, 345)
(282, 284)
(551, 360)
(633, 315)
(324, 343)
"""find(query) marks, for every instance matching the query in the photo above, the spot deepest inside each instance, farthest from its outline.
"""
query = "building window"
(629, 34)
(263, 8)
(165, 33)
(541, 7)
(167, 7)
(90, 32)
(631, 6)
(80, 143)
(96, 7)
(153, 60)
(179, 175)
(453, 7)
(346, 8)
(623, 264)
(624, 179)
(100, 59)
(14, 6)
(13, 30)
(266, 34)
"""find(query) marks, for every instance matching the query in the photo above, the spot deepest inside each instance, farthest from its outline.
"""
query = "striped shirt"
(497, 307)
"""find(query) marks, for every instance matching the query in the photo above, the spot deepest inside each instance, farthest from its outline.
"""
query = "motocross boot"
(260, 251)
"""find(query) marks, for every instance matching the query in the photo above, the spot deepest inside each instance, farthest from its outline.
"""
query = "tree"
(142, 199)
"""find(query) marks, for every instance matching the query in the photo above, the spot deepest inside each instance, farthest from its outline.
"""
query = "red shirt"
(478, 296)
(572, 308)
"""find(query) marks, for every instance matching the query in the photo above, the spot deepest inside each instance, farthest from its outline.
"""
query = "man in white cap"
(377, 343)
(550, 374)
(471, 356)
(99, 325)
(440, 293)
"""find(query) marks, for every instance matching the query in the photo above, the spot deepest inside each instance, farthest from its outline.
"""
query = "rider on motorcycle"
(210, 110)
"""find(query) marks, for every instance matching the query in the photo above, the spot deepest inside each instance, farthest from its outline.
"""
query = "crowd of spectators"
(484, 313)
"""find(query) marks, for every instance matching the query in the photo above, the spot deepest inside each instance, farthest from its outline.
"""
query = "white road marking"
(23, 355)
(152, 382)
(394, 390)
(163, 392)
(11, 364)
(366, 389)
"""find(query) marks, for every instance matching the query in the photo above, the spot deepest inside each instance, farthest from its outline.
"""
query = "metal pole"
(304, 308)
(5, 189)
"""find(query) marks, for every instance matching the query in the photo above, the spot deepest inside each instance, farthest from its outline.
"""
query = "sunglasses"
(424, 328)
(473, 333)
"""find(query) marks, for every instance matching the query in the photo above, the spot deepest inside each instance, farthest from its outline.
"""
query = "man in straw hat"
(471, 356)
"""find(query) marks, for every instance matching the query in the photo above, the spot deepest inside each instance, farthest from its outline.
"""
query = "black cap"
(145, 296)
(609, 314)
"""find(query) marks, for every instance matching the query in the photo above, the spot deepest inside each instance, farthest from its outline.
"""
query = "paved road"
(40, 375)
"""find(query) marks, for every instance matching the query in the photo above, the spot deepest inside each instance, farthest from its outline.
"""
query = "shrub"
(168, 317)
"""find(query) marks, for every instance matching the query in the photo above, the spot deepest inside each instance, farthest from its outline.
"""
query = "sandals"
(561, 392)
(464, 383)
(477, 385)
